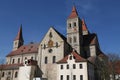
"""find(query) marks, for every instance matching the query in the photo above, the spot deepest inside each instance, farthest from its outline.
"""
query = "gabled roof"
(77, 58)
(19, 35)
(61, 35)
(25, 49)
(74, 13)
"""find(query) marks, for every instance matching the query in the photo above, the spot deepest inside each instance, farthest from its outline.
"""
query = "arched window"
(56, 44)
(74, 24)
(74, 39)
(18, 60)
(46, 60)
(3, 74)
(54, 59)
(69, 25)
(16, 74)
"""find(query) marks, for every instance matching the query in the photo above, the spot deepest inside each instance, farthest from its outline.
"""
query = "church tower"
(74, 30)
(18, 41)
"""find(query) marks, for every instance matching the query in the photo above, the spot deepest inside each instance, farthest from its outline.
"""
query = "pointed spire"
(84, 27)
(19, 35)
(73, 13)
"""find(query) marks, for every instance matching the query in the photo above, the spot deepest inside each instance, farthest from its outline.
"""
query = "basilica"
(76, 56)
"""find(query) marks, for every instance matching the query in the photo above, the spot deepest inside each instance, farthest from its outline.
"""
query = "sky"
(37, 16)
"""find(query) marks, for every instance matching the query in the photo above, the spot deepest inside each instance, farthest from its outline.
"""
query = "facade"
(74, 67)
(73, 57)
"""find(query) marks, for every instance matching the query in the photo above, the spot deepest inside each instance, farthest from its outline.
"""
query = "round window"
(50, 50)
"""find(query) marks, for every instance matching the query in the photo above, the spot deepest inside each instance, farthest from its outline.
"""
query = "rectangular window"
(74, 66)
(67, 77)
(46, 60)
(74, 77)
(80, 65)
(61, 77)
(67, 66)
(13, 61)
(81, 77)
(61, 66)
(54, 59)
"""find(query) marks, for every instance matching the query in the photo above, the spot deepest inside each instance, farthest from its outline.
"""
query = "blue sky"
(36, 16)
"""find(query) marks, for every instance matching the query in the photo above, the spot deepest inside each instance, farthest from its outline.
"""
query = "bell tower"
(74, 30)
(18, 41)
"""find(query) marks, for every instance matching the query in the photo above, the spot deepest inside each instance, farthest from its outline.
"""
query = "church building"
(57, 57)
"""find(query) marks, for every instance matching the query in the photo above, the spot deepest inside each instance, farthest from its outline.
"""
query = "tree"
(2, 61)
(102, 71)
(114, 61)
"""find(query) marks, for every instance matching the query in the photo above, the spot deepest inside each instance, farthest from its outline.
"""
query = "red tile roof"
(10, 66)
(19, 35)
(25, 49)
(84, 27)
(73, 13)
(77, 57)
(16, 66)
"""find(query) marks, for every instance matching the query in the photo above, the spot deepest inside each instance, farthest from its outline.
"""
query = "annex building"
(76, 56)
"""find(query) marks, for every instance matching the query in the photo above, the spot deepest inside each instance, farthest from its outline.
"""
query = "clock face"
(50, 50)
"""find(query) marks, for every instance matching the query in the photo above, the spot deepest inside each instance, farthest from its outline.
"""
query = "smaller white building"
(74, 67)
